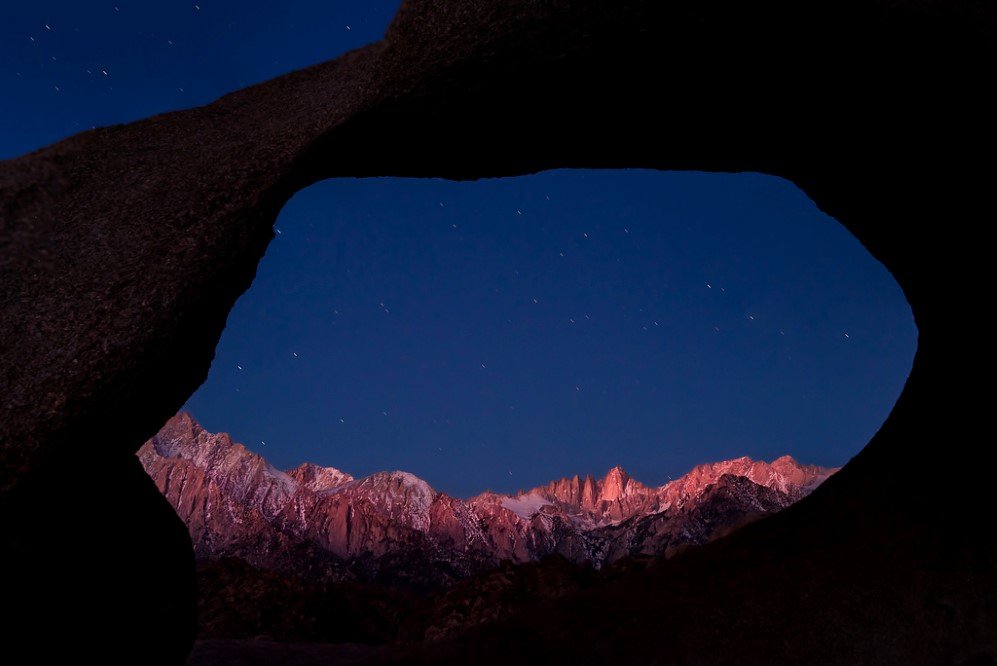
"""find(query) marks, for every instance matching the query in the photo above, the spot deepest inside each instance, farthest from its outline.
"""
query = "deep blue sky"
(158, 55)
(436, 327)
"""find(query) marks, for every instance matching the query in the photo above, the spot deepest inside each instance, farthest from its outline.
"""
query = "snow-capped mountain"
(320, 522)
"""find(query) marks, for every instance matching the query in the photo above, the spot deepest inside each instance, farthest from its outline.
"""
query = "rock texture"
(318, 523)
(123, 248)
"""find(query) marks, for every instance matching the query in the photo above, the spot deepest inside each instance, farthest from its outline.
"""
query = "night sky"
(495, 334)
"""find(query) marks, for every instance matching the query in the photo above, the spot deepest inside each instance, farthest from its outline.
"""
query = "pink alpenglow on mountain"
(321, 523)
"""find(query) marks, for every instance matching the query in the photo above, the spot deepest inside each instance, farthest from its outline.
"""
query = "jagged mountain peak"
(617, 484)
(317, 478)
(235, 503)
(182, 428)
(400, 483)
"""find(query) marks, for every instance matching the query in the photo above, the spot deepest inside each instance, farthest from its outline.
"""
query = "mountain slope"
(323, 524)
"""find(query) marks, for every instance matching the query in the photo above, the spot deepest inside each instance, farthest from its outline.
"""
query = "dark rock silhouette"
(123, 248)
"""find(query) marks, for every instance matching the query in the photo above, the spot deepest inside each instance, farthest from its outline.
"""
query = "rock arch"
(123, 248)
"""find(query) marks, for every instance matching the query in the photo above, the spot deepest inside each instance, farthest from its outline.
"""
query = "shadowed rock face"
(122, 250)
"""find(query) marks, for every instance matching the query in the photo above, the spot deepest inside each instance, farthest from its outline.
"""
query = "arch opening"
(432, 366)
(439, 326)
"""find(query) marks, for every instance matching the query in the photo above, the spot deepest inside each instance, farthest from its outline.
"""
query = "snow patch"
(525, 506)
(290, 485)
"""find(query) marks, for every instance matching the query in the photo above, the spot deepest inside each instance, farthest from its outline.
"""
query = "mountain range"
(320, 523)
